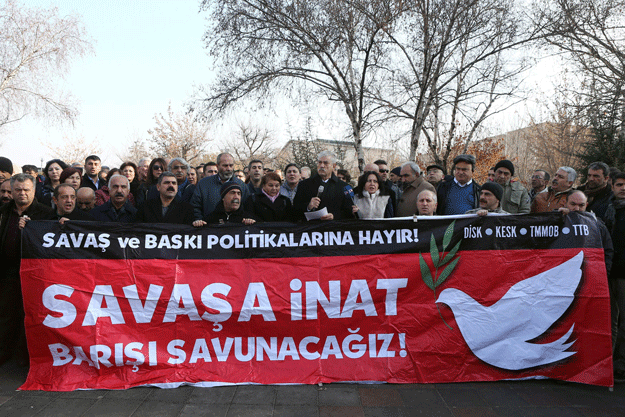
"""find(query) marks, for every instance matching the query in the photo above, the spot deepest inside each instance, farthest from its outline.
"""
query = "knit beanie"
(6, 165)
(505, 164)
(494, 188)
(230, 185)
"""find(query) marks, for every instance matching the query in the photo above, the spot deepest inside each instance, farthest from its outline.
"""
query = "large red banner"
(447, 300)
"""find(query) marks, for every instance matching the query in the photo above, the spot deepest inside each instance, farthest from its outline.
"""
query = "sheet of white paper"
(314, 215)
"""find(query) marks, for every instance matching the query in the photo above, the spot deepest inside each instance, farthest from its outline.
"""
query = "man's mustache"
(119, 194)
(236, 201)
(171, 189)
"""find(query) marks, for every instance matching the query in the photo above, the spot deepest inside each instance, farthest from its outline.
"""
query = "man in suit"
(166, 208)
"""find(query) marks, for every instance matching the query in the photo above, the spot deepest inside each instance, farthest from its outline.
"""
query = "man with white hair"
(555, 197)
(413, 183)
(142, 168)
(324, 190)
(117, 209)
(180, 168)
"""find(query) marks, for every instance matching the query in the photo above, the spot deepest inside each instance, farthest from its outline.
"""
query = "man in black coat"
(598, 190)
(64, 198)
(117, 209)
(13, 215)
(166, 208)
(91, 179)
(229, 209)
(616, 216)
(324, 190)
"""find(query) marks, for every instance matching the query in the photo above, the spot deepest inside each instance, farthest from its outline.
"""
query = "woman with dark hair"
(156, 168)
(52, 172)
(343, 175)
(130, 170)
(372, 199)
(268, 205)
(71, 176)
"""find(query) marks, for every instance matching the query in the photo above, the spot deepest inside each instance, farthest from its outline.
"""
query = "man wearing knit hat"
(6, 168)
(491, 194)
(515, 199)
(229, 209)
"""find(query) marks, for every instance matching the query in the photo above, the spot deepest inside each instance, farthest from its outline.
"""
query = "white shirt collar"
(462, 186)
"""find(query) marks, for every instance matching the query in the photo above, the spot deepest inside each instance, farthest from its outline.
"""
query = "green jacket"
(515, 199)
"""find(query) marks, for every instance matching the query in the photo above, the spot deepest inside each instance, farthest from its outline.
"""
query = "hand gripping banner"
(442, 300)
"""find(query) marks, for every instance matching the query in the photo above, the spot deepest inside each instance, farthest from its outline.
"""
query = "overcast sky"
(147, 53)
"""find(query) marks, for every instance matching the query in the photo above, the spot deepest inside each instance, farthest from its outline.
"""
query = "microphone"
(319, 192)
(349, 194)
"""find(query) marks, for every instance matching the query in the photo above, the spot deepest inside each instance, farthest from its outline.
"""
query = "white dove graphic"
(499, 334)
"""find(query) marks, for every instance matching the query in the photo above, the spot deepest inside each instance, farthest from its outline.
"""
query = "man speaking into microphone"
(324, 190)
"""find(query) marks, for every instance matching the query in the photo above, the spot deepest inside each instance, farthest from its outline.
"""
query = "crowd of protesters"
(173, 191)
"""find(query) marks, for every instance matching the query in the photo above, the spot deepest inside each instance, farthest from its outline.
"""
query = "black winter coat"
(265, 210)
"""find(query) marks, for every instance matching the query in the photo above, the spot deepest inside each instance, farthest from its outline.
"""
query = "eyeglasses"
(157, 167)
(384, 171)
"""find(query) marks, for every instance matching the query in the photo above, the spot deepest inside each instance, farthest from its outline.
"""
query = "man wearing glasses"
(180, 168)
(540, 182)
(390, 185)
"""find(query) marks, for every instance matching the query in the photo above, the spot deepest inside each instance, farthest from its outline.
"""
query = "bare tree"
(327, 47)
(178, 135)
(451, 68)
(590, 34)
(303, 147)
(251, 143)
(74, 149)
(36, 47)
(135, 152)
(559, 134)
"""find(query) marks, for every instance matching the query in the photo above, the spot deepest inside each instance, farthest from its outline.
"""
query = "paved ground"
(523, 398)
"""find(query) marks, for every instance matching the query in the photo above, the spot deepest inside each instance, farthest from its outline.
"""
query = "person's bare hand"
(564, 211)
(22, 222)
(314, 203)
(199, 223)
